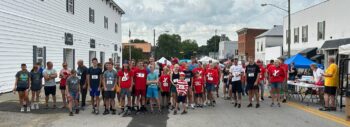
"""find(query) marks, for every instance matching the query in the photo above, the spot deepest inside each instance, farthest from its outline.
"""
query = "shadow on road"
(13, 106)
(150, 120)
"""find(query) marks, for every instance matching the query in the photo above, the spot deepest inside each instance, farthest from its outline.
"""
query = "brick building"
(246, 42)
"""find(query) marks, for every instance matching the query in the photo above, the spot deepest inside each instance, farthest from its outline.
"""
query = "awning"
(299, 61)
(344, 49)
(309, 52)
(334, 44)
(317, 57)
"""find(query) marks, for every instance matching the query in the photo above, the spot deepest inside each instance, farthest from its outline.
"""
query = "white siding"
(24, 23)
(267, 42)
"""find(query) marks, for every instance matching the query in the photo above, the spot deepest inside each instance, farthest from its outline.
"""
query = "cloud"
(198, 19)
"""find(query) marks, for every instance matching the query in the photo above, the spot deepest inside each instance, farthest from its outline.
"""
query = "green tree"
(202, 50)
(213, 43)
(136, 53)
(188, 48)
(168, 45)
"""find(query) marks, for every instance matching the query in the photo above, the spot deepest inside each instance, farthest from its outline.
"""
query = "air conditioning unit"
(319, 51)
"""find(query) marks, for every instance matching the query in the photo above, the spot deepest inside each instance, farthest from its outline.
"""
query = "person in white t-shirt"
(236, 73)
(317, 73)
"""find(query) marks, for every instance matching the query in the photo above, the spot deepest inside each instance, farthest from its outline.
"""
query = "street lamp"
(154, 41)
(289, 29)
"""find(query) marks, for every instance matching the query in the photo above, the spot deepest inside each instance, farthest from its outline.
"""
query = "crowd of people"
(148, 86)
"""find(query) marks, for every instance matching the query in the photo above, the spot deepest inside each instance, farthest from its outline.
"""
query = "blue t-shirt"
(192, 66)
(94, 74)
(151, 77)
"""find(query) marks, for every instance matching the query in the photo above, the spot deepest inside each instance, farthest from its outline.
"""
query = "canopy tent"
(300, 61)
(206, 59)
(161, 60)
(185, 60)
(344, 49)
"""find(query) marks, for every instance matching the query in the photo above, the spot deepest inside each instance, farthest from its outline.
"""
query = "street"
(291, 114)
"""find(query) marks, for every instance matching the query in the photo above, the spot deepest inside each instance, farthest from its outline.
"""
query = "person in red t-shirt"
(201, 70)
(262, 79)
(165, 83)
(212, 79)
(64, 74)
(181, 89)
(284, 83)
(198, 84)
(276, 76)
(125, 82)
(140, 80)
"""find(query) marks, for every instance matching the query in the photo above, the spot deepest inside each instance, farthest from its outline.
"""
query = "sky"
(199, 19)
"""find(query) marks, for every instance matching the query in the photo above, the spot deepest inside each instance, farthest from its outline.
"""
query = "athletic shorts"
(276, 85)
(20, 89)
(74, 95)
(125, 92)
(165, 94)
(94, 92)
(181, 99)
(50, 90)
(36, 87)
(251, 86)
(62, 87)
(109, 94)
(237, 87)
(139, 92)
(173, 89)
(330, 90)
(152, 92)
(198, 95)
(210, 87)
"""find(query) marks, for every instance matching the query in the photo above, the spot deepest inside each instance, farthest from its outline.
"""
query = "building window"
(106, 22)
(92, 43)
(70, 6)
(257, 47)
(262, 47)
(68, 38)
(296, 35)
(321, 30)
(304, 33)
(115, 47)
(91, 15)
(116, 27)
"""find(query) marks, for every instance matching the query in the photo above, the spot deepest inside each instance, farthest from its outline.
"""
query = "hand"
(14, 90)
(255, 84)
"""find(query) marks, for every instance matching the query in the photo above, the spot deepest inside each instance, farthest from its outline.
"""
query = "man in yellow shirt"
(330, 86)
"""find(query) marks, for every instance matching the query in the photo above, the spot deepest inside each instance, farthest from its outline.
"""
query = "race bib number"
(210, 78)
(175, 80)
(188, 80)
(94, 76)
(165, 84)
(181, 87)
(79, 77)
(109, 82)
(124, 79)
(141, 75)
(250, 74)
(225, 77)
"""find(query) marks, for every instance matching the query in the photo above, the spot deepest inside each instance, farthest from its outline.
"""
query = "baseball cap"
(182, 74)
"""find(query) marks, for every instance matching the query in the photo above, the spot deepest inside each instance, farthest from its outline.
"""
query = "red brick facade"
(246, 42)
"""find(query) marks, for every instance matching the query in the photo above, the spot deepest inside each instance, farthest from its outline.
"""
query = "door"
(69, 57)
(92, 54)
(39, 55)
(115, 58)
(102, 57)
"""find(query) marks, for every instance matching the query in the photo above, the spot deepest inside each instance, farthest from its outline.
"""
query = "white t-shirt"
(317, 74)
(236, 71)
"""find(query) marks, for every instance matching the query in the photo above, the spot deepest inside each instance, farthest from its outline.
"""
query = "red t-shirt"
(268, 66)
(285, 68)
(198, 84)
(65, 74)
(165, 83)
(125, 77)
(212, 76)
(140, 79)
(276, 74)
(262, 73)
(200, 70)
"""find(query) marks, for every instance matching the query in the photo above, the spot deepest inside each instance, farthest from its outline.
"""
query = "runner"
(272, 63)
(262, 78)
(201, 70)
(133, 67)
(252, 72)
(82, 71)
(225, 76)
(140, 79)
(73, 89)
(126, 83)
(189, 78)
(276, 77)
(93, 79)
(64, 74)
(181, 89)
(50, 75)
(236, 71)
(109, 82)
(212, 80)
(198, 84)
(152, 89)
(164, 82)
(175, 75)
(22, 84)
(36, 83)
(284, 83)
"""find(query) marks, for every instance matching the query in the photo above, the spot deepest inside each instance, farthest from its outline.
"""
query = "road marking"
(320, 113)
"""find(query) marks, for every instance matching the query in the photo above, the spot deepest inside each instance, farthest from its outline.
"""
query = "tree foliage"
(136, 53)
(168, 45)
(189, 48)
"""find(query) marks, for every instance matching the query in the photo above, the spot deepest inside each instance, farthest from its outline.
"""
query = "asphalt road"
(223, 115)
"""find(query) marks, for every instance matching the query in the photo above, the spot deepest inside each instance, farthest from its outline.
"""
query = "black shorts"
(20, 89)
(62, 87)
(165, 94)
(330, 90)
(198, 95)
(109, 94)
(225, 80)
(181, 99)
(237, 87)
(50, 90)
(251, 86)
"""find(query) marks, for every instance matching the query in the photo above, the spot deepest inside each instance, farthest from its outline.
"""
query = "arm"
(104, 82)
(67, 92)
(87, 80)
(15, 86)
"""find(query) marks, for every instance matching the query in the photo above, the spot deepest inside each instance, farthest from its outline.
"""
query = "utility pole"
(289, 29)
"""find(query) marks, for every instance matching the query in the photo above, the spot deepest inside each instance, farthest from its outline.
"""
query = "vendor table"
(303, 90)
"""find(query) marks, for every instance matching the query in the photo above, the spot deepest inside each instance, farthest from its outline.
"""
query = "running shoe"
(250, 105)
(70, 113)
(257, 105)
(183, 112)
(22, 109)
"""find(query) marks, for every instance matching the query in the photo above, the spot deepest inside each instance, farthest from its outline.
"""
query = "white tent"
(344, 49)
(206, 59)
(161, 60)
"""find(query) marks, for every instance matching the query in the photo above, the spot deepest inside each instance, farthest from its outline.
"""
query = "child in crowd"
(181, 89)
(165, 83)
(198, 84)
(72, 91)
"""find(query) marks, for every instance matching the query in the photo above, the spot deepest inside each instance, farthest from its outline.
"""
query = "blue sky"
(198, 19)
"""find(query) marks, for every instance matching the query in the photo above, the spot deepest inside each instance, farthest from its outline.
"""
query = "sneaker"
(278, 104)
(113, 112)
(284, 101)
(172, 108)
(262, 98)
(250, 105)
(28, 109)
(272, 104)
(239, 105)
(269, 97)
(257, 105)
(175, 112)
(32, 106)
(105, 112)
(192, 106)
(97, 112)
(37, 106)
(214, 102)
(71, 114)
(324, 109)
(22, 109)
(183, 112)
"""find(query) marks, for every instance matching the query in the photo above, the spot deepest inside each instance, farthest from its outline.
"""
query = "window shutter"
(44, 57)
(73, 59)
(67, 5)
(73, 6)
(34, 54)
(324, 29)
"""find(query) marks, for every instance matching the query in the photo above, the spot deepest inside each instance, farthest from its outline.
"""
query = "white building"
(228, 49)
(56, 30)
(321, 26)
(271, 38)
